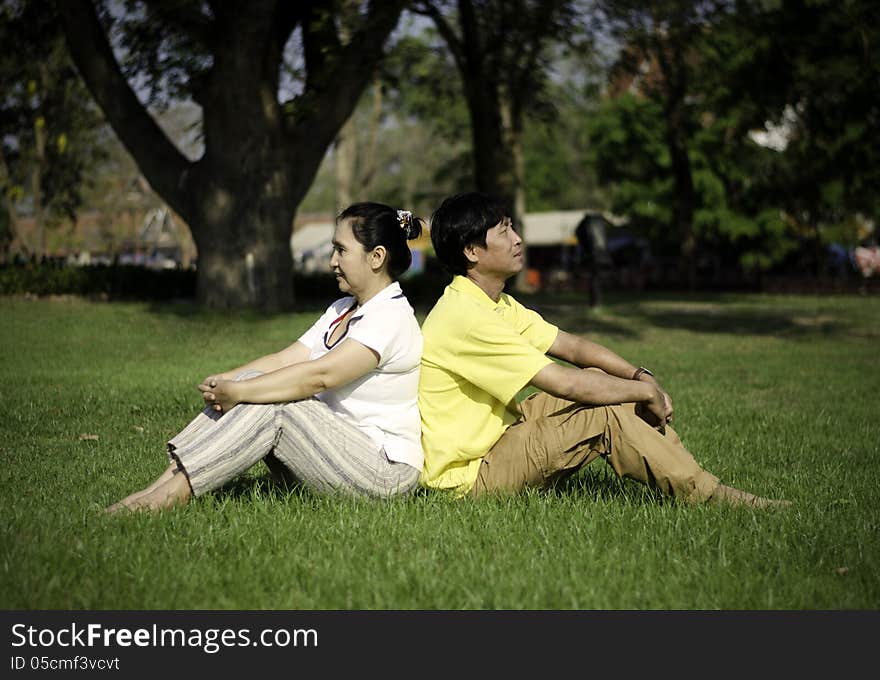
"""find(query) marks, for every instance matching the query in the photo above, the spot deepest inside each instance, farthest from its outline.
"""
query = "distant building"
(555, 255)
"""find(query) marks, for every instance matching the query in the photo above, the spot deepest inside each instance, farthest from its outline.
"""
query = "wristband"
(641, 370)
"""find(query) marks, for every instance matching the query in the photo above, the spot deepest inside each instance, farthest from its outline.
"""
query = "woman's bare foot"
(731, 496)
(161, 479)
(172, 492)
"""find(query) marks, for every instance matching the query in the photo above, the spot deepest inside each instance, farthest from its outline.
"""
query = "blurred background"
(640, 145)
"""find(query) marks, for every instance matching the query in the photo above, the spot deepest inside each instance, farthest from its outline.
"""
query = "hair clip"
(405, 218)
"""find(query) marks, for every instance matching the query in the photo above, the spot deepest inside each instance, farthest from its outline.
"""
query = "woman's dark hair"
(463, 220)
(377, 224)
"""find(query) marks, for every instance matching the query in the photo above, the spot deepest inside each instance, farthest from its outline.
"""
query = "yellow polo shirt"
(478, 354)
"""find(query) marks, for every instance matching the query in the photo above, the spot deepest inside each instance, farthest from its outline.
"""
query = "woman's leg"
(327, 454)
(131, 498)
(212, 449)
(203, 422)
(166, 492)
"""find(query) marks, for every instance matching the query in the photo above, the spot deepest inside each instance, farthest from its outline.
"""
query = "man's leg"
(556, 437)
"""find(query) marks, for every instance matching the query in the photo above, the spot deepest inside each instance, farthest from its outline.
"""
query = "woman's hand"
(219, 394)
(216, 377)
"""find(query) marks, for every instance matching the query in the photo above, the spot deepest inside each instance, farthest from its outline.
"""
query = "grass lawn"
(775, 395)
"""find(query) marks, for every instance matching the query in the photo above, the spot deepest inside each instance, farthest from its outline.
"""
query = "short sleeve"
(379, 330)
(533, 327)
(494, 357)
(314, 335)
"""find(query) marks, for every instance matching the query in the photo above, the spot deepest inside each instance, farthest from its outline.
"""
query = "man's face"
(502, 256)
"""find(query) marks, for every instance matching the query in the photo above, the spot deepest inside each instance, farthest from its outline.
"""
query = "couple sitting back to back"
(365, 402)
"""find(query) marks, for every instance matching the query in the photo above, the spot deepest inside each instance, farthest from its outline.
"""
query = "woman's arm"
(347, 362)
(292, 354)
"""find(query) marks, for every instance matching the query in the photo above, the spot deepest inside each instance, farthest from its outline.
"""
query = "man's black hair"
(463, 220)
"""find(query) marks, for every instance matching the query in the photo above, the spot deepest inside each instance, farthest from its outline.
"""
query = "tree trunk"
(260, 157)
(683, 204)
(493, 170)
(37, 182)
(345, 160)
(512, 133)
(672, 63)
(15, 240)
(246, 264)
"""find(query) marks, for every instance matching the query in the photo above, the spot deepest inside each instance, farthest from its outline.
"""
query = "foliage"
(806, 70)
(559, 172)
(809, 69)
(50, 133)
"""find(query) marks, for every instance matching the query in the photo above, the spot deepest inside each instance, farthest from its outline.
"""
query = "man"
(481, 348)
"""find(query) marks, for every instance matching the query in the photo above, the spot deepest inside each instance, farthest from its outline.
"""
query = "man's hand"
(654, 411)
(667, 400)
(218, 393)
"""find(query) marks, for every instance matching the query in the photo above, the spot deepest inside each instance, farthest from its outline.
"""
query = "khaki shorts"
(555, 437)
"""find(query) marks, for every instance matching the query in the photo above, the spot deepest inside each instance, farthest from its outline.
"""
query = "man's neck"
(490, 285)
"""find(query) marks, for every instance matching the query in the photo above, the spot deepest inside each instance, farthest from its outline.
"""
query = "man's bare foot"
(171, 493)
(731, 496)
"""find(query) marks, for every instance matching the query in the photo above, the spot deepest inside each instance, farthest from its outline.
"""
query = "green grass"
(776, 395)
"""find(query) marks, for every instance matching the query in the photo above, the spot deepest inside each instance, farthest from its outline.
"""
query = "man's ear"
(470, 252)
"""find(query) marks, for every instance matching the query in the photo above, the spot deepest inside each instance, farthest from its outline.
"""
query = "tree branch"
(447, 32)
(162, 164)
(331, 95)
(186, 18)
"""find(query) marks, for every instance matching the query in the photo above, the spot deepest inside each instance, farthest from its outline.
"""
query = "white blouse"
(382, 403)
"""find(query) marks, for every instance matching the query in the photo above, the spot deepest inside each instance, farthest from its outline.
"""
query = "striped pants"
(316, 447)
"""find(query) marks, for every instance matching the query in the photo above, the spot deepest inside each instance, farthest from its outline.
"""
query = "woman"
(336, 410)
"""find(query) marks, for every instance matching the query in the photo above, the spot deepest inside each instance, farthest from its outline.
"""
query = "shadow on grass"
(626, 315)
(745, 322)
(263, 483)
(596, 484)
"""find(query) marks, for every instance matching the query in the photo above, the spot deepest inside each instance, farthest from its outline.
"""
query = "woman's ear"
(378, 255)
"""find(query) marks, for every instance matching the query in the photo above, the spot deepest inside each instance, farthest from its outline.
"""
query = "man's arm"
(585, 354)
(593, 388)
(600, 389)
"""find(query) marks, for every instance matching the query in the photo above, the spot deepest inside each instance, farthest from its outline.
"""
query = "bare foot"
(173, 492)
(731, 496)
(131, 498)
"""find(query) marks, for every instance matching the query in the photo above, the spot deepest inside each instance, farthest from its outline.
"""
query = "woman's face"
(350, 263)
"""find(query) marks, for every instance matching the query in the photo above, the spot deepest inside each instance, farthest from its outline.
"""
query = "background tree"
(49, 131)
(500, 49)
(411, 141)
(559, 169)
(659, 53)
(806, 74)
(770, 145)
(264, 136)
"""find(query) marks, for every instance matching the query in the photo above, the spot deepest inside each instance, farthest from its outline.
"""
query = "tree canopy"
(744, 130)
(275, 82)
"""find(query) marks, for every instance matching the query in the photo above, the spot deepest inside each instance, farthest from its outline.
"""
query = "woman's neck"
(377, 286)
